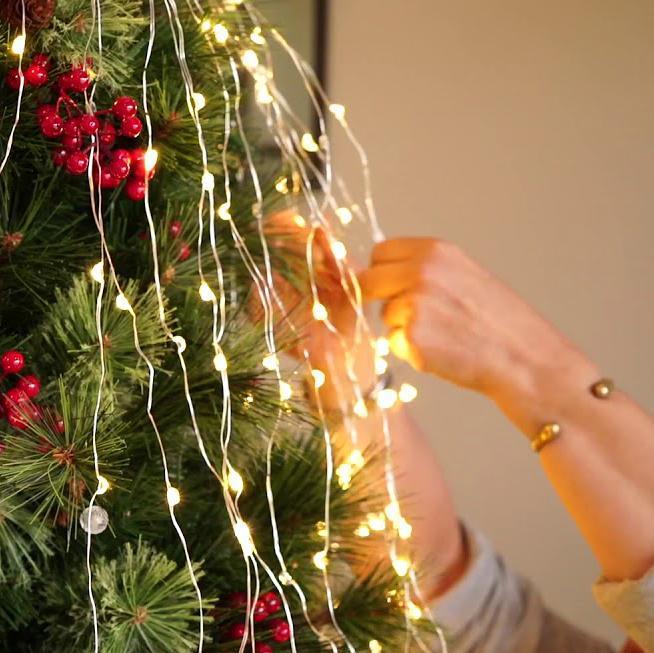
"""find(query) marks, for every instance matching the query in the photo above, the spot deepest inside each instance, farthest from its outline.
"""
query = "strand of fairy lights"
(18, 48)
(401, 563)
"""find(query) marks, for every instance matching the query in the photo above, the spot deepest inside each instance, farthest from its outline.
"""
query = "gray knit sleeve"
(493, 610)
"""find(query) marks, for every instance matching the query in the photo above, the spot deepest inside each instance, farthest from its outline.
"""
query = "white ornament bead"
(94, 520)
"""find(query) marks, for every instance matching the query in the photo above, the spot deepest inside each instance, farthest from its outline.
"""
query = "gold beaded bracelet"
(601, 389)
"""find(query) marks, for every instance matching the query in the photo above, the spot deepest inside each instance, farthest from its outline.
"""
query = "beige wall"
(525, 132)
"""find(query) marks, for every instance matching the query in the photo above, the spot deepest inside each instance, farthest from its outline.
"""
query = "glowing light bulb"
(122, 303)
(262, 93)
(220, 362)
(180, 342)
(320, 560)
(257, 37)
(308, 143)
(407, 393)
(199, 100)
(281, 185)
(318, 378)
(321, 529)
(18, 45)
(344, 475)
(235, 481)
(386, 398)
(400, 345)
(393, 512)
(270, 362)
(221, 33)
(205, 25)
(206, 294)
(404, 529)
(360, 409)
(300, 221)
(362, 531)
(173, 496)
(285, 391)
(377, 521)
(103, 485)
(319, 312)
(381, 365)
(250, 59)
(356, 459)
(401, 566)
(208, 181)
(382, 347)
(338, 250)
(150, 159)
(242, 532)
(344, 215)
(223, 211)
(374, 646)
(338, 111)
(413, 611)
(97, 272)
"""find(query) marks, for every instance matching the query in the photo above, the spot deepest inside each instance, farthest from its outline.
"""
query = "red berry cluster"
(269, 604)
(67, 122)
(17, 405)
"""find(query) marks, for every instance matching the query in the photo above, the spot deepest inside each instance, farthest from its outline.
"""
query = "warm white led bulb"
(235, 481)
(401, 566)
(208, 181)
(199, 101)
(150, 159)
(97, 272)
(404, 529)
(318, 377)
(407, 393)
(285, 391)
(344, 475)
(262, 93)
(356, 459)
(374, 646)
(344, 215)
(309, 143)
(300, 221)
(257, 37)
(382, 347)
(377, 521)
(205, 25)
(413, 611)
(338, 111)
(242, 532)
(281, 185)
(223, 211)
(270, 362)
(320, 560)
(381, 365)
(103, 485)
(173, 496)
(180, 342)
(338, 250)
(220, 362)
(393, 511)
(221, 33)
(319, 312)
(18, 45)
(122, 303)
(360, 409)
(206, 294)
(386, 398)
(362, 531)
(250, 59)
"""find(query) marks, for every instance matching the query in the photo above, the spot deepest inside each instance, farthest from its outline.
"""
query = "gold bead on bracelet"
(548, 433)
(602, 389)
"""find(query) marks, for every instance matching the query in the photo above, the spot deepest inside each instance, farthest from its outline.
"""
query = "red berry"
(42, 60)
(238, 599)
(13, 397)
(59, 156)
(107, 179)
(138, 165)
(107, 135)
(30, 385)
(64, 81)
(44, 110)
(17, 419)
(135, 189)
(72, 143)
(119, 168)
(52, 125)
(175, 228)
(79, 80)
(36, 75)
(131, 127)
(125, 155)
(142, 235)
(280, 630)
(184, 251)
(89, 124)
(12, 80)
(60, 426)
(260, 612)
(262, 647)
(272, 601)
(77, 163)
(236, 631)
(45, 446)
(12, 362)
(125, 107)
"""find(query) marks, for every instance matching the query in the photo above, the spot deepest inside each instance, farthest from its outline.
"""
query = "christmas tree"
(169, 480)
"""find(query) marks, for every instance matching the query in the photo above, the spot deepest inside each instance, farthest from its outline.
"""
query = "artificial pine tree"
(103, 249)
